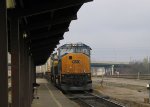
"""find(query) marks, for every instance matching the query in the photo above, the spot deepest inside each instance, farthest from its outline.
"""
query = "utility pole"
(149, 72)
(148, 64)
(148, 86)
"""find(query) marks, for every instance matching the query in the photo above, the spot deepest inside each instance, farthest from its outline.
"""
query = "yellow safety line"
(53, 97)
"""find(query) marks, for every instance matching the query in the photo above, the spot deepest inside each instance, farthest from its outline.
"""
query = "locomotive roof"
(74, 45)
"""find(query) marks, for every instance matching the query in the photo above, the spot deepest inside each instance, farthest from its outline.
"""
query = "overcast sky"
(116, 30)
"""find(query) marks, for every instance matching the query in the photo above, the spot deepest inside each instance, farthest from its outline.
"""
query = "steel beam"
(49, 34)
(49, 23)
(26, 75)
(34, 73)
(3, 55)
(15, 61)
(30, 80)
(43, 48)
(46, 7)
(22, 71)
(47, 41)
(31, 77)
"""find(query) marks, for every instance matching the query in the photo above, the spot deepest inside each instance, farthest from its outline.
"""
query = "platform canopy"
(43, 23)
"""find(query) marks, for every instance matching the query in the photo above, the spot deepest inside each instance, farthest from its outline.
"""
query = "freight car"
(54, 67)
(71, 67)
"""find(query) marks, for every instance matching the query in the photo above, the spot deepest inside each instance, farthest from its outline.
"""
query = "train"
(70, 67)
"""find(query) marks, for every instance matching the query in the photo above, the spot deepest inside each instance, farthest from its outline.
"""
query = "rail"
(91, 100)
(133, 76)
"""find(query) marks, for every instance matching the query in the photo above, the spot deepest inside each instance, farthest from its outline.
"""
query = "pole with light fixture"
(148, 87)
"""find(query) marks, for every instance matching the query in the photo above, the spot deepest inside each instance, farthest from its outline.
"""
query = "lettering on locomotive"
(76, 61)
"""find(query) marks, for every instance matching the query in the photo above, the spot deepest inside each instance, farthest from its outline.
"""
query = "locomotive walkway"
(49, 96)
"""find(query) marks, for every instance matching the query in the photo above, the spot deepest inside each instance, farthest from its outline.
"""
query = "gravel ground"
(129, 92)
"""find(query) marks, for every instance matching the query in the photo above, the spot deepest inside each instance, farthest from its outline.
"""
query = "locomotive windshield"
(74, 48)
(65, 51)
(82, 50)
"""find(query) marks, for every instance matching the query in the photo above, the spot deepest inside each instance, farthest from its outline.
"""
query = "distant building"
(98, 71)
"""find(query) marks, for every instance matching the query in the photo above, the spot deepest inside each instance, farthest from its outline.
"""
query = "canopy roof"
(44, 23)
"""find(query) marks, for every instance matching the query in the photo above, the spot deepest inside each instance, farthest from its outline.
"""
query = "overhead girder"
(45, 40)
(49, 34)
(42, 49)
(66, 12)
(40, 61)
(49, 29)
(43, 44)
(49, 23)
(60, 26)
(44, 7)
(42, 58)
(41, 54)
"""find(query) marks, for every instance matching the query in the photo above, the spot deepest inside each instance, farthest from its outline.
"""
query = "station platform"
(50, 96)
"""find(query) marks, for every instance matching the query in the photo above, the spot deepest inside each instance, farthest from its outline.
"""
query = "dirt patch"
(130, 95)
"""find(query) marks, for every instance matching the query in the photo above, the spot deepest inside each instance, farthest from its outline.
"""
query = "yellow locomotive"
(71, 67)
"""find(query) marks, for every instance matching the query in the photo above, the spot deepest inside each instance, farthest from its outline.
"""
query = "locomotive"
(70, 68)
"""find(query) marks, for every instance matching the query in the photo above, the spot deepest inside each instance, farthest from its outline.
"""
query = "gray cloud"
(108, 25)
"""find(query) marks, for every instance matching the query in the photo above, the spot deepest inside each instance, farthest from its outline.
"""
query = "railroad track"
(90, 100)
(140, 77)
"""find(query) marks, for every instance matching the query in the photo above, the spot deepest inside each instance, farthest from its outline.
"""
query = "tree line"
(134, 67)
